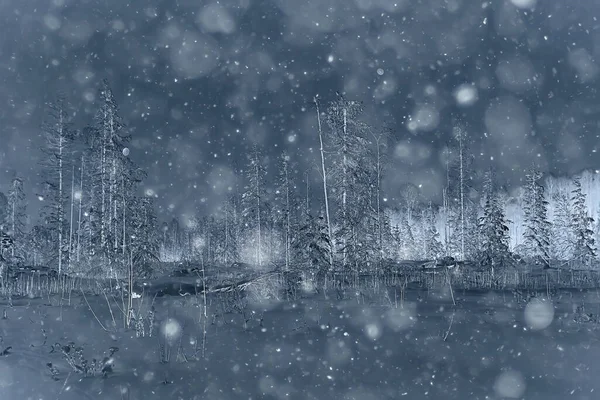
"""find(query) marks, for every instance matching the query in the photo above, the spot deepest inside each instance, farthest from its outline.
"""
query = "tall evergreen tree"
(17, 217)
(351, 177)
(562, 240)
(585, 249)
(312, 246)
(144, 245)
(433, 246)
(493, 227)
(536, 234)
(110, 162)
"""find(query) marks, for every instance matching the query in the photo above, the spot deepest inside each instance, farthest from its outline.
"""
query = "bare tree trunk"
(446, 207)
(379, 228)
(71, 217)
(13, 221)
(344, 185)
(60, 193)
(259, 248)
(124, 219)
(80, 207)
(114, 189)
(288, 227)
(308, 195)
(226, 255)
(462, 200)
(324, 172)
(103, 191)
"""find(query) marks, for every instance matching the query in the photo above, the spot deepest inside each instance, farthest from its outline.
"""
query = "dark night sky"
(198, 82)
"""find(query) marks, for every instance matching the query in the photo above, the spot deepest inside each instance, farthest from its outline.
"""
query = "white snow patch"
(539, 314)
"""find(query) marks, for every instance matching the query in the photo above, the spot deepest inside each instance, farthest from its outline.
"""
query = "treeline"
(355, 228)
(92, 221)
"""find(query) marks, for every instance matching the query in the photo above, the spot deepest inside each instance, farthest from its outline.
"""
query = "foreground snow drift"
(350, 345)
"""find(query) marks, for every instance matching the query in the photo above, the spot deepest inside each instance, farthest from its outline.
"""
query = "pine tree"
(433, 246)
(145, 242)
(108, 153)
(351, 177)
(493, 227)
(3, 213)
(405, 238)
(582, 223)
(562, 239)
(17, 217)
(313, 247)
(536, 234)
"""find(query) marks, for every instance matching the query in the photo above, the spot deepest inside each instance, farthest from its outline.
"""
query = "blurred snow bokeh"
(525, 4)
(466, 94)
(171, 330)
(215, 18)
(195, 55)
(539, 314)
(510, 384)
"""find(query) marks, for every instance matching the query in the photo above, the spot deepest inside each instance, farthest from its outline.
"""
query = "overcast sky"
(199, 81)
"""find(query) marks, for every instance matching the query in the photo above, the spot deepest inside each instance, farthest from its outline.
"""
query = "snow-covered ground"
(335, 345)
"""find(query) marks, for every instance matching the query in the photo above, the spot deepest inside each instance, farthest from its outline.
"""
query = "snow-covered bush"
(75, 358)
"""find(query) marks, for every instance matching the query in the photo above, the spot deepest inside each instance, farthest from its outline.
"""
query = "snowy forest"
(97, 220)
(299, 200)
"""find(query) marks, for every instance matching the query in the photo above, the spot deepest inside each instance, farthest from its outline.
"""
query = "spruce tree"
(313, 247)
(562, 239)
(351, 178)
(585, 249)
(493, 228)
(536, 234)
(433, 246)
(17, 217)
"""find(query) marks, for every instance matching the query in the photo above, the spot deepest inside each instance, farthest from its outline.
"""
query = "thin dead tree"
(324, 174)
